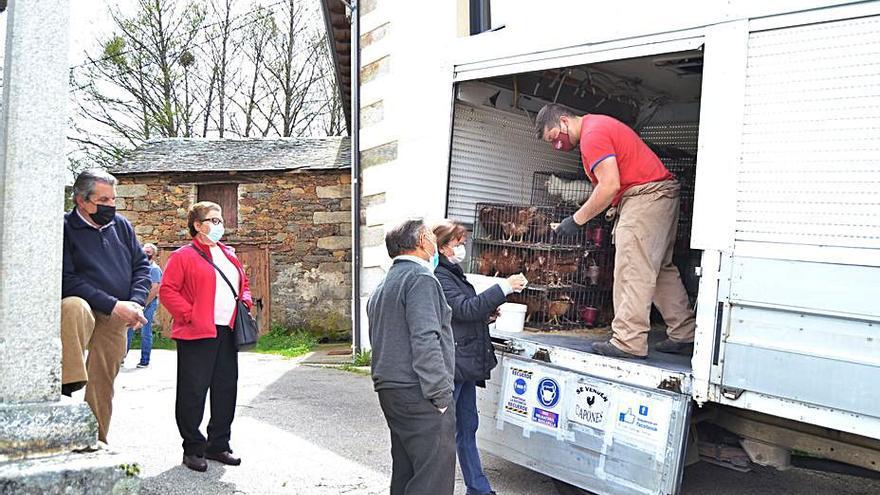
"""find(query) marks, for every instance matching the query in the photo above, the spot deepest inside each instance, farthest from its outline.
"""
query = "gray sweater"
(411, 333)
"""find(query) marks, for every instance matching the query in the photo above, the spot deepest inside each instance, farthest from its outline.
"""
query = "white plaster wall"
(532, 26)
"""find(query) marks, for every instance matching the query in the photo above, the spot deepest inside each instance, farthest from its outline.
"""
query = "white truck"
(782, 114)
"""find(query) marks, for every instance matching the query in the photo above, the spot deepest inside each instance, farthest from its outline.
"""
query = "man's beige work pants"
(106, 339)
(644, 237)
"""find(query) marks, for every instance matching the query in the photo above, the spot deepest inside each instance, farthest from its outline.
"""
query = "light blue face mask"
(216, 233)
(435, 260)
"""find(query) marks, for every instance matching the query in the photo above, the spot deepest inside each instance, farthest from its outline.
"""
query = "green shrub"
(363, 358)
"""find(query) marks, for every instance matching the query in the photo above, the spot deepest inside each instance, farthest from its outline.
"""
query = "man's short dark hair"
(548, 118)
(84, 185)
(404, 237)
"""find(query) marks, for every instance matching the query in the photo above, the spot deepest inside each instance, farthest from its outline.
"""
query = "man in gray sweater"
(413, 364)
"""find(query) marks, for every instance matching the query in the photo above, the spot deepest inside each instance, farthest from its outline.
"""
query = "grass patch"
(279, 340)
(159, 340)
(286, 342)
(363, 358)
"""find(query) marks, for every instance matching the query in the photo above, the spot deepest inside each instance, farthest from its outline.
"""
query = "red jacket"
(187, 291)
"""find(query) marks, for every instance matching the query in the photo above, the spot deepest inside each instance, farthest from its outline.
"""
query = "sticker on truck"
(589, 404)
(548, 399)
(533, 399)
(518, 385)
(642, 422)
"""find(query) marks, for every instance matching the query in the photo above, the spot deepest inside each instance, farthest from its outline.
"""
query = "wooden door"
(255, 260)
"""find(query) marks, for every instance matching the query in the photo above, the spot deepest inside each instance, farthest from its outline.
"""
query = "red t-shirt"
(603, 136)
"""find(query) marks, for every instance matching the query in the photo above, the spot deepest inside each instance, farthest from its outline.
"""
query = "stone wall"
(303, 217)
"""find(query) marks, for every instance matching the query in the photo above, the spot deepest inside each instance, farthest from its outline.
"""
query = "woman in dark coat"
(474, 355)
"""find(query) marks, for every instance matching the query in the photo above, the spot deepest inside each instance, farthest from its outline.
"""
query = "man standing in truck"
(644, 200)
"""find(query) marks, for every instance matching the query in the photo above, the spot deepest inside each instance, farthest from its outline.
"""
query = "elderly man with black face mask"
(414, 362)
(104, 286)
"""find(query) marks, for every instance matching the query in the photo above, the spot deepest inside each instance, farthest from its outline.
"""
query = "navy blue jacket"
(103, 266)
(474, 353)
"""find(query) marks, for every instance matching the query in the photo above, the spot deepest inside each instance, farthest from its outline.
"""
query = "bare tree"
(202, 68)
(332, 117)
(221, 49)
(254, 92)
(131, 89)
(294, 72)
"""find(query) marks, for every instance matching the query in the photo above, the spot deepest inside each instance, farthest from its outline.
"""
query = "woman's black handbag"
(245, 326)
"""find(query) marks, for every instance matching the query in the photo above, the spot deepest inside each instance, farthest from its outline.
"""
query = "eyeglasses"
(215, 221)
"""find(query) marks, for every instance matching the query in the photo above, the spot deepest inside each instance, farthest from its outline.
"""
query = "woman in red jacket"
(203, 307)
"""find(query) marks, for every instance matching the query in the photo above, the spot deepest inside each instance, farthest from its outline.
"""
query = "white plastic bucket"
(511, 317)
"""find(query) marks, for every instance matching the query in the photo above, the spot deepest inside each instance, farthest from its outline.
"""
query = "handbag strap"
(234, 292)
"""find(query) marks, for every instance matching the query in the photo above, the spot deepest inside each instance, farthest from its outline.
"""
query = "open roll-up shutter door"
(494, 157)
(810, 166)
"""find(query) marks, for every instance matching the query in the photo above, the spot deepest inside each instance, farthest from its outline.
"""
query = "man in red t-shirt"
(644, 195)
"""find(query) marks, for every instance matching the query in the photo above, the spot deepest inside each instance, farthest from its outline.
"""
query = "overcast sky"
(88, 20)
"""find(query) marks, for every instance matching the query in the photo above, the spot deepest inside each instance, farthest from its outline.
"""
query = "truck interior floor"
(583, 340)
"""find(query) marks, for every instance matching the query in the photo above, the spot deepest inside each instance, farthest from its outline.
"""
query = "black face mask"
(104, 215)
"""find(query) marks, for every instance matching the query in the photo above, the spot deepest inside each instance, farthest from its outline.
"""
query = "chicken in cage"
(560, 189)
(552, 268)
(546, 310)
(497, 261)
(521, 224)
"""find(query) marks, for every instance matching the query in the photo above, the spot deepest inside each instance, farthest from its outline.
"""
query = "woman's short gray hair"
(404, 238)
(84, 185)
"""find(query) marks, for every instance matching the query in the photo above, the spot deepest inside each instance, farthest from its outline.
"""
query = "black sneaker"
(143, 365)
(608, 349)
(672, 347)
(195, 462)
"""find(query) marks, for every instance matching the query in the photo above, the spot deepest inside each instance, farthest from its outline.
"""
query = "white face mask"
(458, 254)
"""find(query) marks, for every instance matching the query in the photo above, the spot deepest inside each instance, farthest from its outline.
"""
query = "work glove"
(568, 227)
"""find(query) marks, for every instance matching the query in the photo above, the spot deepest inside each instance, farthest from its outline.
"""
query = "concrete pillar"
(41, 432)
(32, 177)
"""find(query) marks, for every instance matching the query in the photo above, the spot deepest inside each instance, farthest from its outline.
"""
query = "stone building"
(287, 211)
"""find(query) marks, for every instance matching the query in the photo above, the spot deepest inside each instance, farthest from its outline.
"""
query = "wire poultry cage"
(570, 278)
(516, 225)
(549, 309)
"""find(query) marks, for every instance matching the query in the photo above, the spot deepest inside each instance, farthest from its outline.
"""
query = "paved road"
(305, 430)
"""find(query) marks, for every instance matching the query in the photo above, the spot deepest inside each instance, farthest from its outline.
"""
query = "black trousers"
(205, 364)
(422, 443)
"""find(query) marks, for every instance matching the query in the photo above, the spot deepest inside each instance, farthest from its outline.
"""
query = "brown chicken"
(484, 263)
(557, 309)
(507, 263)
(518, 223)
(536, 269)
(560, 266)
(490, 219)
(532, 302)
(540, 229)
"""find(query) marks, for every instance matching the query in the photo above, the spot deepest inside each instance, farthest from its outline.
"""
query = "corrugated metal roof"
(219, 155)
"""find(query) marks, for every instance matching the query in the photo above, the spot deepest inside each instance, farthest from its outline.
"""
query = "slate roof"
(221, 155)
